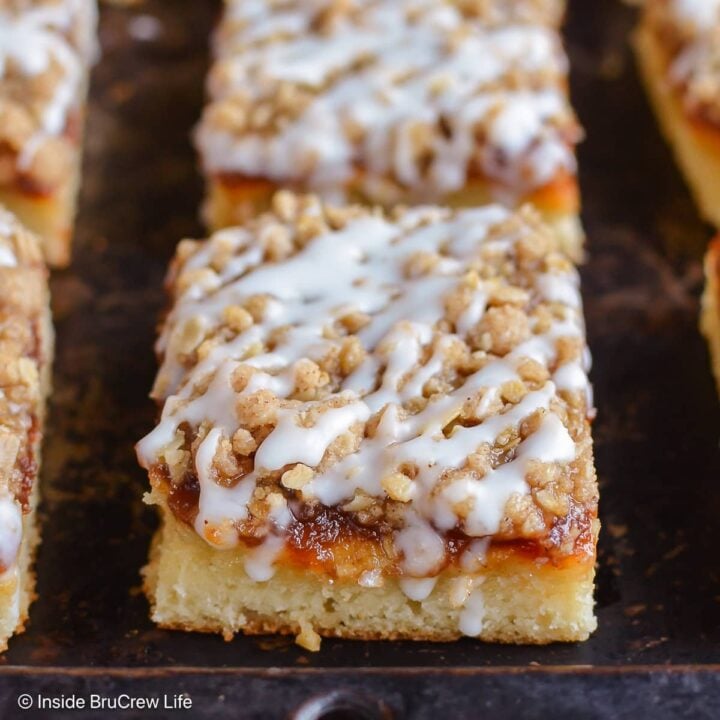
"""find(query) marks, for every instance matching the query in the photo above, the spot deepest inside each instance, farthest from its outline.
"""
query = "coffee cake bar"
(26, 345)
(710, 312)
(374, 426)
(678, 49)
(46, 47)
(391, 101)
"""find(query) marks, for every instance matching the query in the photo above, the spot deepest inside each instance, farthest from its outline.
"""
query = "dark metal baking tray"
(657, 650)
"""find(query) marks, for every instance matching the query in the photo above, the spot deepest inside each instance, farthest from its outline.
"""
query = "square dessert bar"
(46, 48)
(26, 346)
(710, 311)
(374, 426)
(459, 102)
(678, 49)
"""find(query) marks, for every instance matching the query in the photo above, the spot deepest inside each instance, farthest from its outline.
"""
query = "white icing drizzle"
(417, 588)
(7, 255)
(10, 531)
(8, 223)
(32, 41)
(259, 561)
(695, 64)
(219, 505)
(699, 14)
(290, 443)
(422, 549)
(475, 555)
(551, 443)
(472, 614)
(377, 76)
(362, 268)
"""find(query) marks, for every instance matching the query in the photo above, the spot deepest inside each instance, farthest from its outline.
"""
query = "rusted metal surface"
(656, 433)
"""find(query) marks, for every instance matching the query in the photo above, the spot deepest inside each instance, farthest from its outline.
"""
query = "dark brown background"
(658, 596)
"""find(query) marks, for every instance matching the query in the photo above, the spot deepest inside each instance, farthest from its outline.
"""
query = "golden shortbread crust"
(230, 203)
(193, 587)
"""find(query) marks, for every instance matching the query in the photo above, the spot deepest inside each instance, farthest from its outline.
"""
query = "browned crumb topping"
(23, 309)
(239, 377)
(43, 75)
(692, 44)
(389, 102)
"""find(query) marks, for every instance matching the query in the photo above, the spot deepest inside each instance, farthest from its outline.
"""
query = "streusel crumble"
(46, 48)
(390, 101)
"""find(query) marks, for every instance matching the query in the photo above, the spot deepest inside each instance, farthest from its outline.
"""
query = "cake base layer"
(192, 586)
(710, 313)
(51, 217)
(696, 144)
(234, 202)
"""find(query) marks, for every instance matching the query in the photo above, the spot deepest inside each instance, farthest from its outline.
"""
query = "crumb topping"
(421, 374)
(23, 304)
(45, 49)
(394, 100)
(690, 30)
